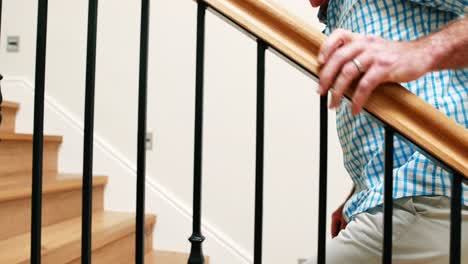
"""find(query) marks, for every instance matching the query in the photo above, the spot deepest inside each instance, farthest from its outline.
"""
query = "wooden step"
(113, 253)
(16, 156)
(61, 201)
(168, 257)
(9, 111)
(61, 243)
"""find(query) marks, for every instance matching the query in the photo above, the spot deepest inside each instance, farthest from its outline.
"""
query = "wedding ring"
(358, 65)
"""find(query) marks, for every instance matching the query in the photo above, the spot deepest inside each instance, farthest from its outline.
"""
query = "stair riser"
(16, 159)
(15, 215)
(120, 250)
(9, 119)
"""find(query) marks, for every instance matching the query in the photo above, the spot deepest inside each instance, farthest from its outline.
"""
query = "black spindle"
(388, 197)
(258, 237)
(322, 218)
(196, 252)
(88, 134)
(38, 138)
(141, 155)
(455, 219)
(1, 12)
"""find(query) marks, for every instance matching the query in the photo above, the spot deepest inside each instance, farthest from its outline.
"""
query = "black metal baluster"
(86, 235)
(196, 252)
(38, 138)
(455, 219)
(141, 155)
(322, 219)
(388, 197)
(1, 12)
(258, 237)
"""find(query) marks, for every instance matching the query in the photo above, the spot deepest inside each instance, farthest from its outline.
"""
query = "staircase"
(113, 232)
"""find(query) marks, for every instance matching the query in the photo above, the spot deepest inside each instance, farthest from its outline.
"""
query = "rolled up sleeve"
(459, 7)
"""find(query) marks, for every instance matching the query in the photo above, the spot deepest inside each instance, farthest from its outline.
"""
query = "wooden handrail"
(394, 105)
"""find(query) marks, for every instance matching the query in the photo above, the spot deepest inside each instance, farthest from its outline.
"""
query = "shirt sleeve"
(459, 7)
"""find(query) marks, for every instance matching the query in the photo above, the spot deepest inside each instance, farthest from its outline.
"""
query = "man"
(422, 44)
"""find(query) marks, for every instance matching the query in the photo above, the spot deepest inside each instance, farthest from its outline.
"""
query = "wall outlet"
(13, 44)
(149, 141)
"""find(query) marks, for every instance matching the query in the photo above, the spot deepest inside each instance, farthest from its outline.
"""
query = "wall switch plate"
(301, 261)
(149, 141)
(13, 43)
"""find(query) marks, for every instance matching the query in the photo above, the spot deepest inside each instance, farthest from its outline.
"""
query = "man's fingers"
(335, 64)
(336, 225)
(338, 38)
(348, 74)
(371, 79)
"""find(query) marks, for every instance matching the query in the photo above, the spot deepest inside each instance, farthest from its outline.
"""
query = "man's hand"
(338, 222)
(316, 3)
(381, 60)
(387, 61)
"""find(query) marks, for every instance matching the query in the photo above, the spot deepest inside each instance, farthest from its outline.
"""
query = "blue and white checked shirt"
(361, 137)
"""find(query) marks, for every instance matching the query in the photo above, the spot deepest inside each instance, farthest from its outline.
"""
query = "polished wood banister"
(276, 26)
(394, 105)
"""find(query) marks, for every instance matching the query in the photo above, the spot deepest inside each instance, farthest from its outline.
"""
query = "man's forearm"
(449, 46)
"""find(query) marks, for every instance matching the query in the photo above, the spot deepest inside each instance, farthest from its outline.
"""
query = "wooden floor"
(113, 232)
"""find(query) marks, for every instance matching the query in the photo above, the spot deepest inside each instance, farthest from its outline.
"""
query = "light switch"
(149, 141)
(13, 44)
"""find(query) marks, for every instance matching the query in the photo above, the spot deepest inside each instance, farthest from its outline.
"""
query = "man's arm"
(449, 46)
(387, 61)
(453, 6)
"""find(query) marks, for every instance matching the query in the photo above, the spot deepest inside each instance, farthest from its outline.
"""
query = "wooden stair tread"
(18, 190)
(27, 137)
(9, 104)
(16, 153)
(61, 201)
(61, 243)
(113, 232)
(9, 111)
(24, 178)
(167, 257)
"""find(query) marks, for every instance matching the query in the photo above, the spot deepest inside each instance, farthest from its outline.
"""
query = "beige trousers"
(421, 232)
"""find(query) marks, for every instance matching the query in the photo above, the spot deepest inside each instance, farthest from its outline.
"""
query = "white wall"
(291, 161)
